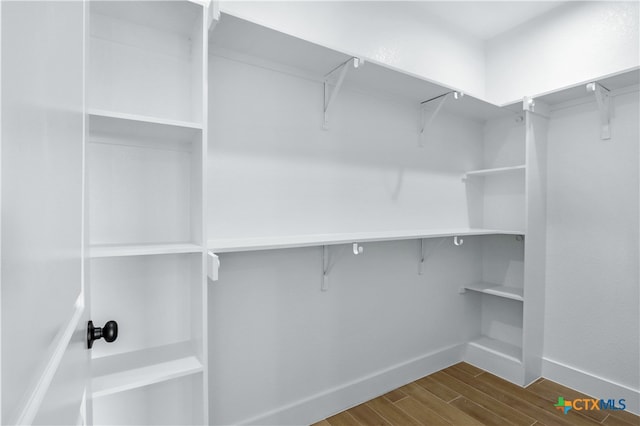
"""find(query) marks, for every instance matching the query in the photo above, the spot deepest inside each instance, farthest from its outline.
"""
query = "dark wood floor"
(465, 395)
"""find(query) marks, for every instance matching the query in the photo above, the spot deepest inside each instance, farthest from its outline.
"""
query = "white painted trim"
(37, 391)
(1, 399)
(321, 405)
(591, 384)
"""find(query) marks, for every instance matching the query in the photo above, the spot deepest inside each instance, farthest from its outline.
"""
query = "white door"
(45, 363)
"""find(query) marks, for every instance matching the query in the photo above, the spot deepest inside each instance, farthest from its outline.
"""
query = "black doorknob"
(109, 332)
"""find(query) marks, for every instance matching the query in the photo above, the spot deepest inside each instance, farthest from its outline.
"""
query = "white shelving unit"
(324, 190)
(145, 171)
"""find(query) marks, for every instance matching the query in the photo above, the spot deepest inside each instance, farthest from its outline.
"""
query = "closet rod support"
(603, 99)
(331, 95)
(357, 249)
(426, 123)
(458, 241)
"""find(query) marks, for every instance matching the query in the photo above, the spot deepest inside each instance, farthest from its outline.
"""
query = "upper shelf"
(297, 241)
(576, 91)
(127, 250)
(233, 36)
(118, 125)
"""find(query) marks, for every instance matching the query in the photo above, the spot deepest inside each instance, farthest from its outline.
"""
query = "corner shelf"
(498, 347)
(123, 250)
(227, 245)
(512, 293)
(113, 124)
(495, 171)
(121, 372)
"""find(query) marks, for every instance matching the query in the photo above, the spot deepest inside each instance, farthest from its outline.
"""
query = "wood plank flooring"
(465, 395)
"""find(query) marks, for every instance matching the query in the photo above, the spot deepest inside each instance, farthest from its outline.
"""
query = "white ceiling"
(484, 19)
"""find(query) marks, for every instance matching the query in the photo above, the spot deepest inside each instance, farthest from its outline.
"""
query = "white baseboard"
(316, 407)
(590, 384)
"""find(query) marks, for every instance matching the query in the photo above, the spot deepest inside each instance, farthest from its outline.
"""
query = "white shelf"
(115, 250)
(496, 171)
(512, 293)
(498, 347)
(118, 125)
(239, 39)
(297, 241)
(118, 373)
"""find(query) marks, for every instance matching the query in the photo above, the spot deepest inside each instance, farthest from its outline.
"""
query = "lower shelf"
(121, 372)
(512, 293)
(498, 347)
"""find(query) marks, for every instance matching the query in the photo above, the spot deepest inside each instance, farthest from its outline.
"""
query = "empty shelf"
(108, 124)
(496, 171)
(296, 241)
(513, 293)
(498, 347)
(122, 250)
(132, 370)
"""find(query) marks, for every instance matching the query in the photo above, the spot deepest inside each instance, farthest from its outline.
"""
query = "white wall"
(275, 172)
(401, 37)
(284, 352)
(573, 43)
(592, 293)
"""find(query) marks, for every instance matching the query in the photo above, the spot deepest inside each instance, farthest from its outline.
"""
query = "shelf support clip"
(603, 99)
(213, 265)
(331, 95)
(213, 14)
(458, 241)
(425, 122)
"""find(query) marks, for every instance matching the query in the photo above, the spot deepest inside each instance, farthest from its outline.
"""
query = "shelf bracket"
(603, 98)
(426, 123)
(213, 14)
(213, 265)
(327, 265)
(325, 268)
(424, 255)
(331, 95)
(536, 107)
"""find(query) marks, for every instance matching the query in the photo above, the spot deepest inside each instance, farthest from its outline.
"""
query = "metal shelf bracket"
(603, 98)
(331, 95)
(327, 265)
(325, 268)
(424, 255)
(425, 122)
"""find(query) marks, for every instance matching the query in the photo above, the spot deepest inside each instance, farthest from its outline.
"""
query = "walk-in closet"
(215, 213)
